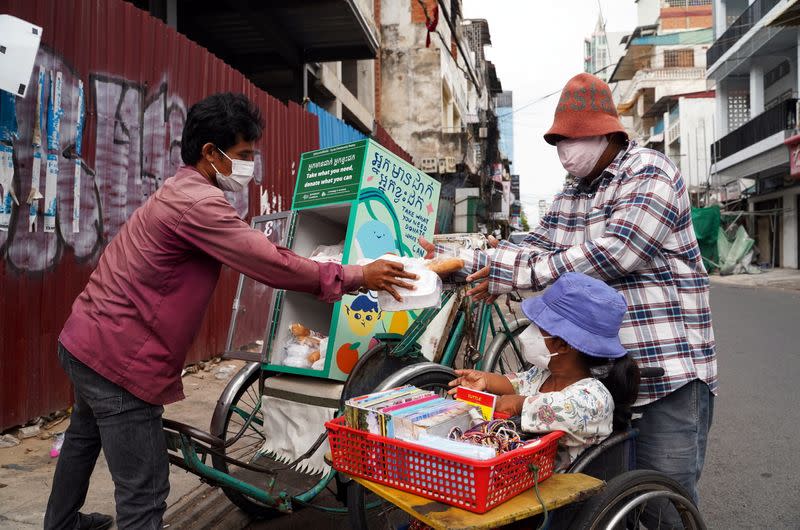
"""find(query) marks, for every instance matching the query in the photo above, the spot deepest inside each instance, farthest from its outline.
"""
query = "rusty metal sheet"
(384, 138)
(139, 79)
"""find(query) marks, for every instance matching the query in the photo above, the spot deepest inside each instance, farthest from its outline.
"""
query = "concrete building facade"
(754, 63)
(504, 107)
(602, 50)
(428, 94)
(437, 99)
(662, 93)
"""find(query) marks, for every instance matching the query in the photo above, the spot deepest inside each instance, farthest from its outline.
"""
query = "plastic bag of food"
(304, 347)
(328, 253)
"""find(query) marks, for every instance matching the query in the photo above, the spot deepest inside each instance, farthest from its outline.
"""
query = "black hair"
(222, 119)
(619, 138)
(621, 380)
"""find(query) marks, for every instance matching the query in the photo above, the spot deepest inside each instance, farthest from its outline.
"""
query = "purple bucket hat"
(583, 311)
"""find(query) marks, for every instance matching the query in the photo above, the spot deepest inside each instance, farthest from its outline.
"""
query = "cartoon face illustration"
(375, 239)
(362, 314)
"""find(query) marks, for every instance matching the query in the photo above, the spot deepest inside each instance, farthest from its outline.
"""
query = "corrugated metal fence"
(332, 130)
(383, 138)
(139, 78)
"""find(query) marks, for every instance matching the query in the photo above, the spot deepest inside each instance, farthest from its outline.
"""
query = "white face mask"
(534, 349)
(580, 155)
(241, 173)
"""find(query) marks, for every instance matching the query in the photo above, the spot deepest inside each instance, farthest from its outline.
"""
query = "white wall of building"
(696, 134)
(367, 8)
(679, 86)
(647, 12)
(750, 90)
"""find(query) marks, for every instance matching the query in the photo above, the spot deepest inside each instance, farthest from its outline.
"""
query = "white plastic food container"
(427, 292)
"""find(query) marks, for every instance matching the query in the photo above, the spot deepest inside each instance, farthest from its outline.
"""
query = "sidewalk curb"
(781, 279)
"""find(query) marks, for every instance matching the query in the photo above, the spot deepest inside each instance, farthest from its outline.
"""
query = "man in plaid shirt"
(626, 219)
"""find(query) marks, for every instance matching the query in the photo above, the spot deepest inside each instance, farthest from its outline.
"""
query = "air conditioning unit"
(450, 164)
(442, 165)
(483, 132)
(428, 165)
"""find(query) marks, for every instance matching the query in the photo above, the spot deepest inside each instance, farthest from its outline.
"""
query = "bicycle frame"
(485, 326)
(194, 446)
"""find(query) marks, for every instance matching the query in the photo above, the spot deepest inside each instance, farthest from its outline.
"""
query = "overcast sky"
(537, 46)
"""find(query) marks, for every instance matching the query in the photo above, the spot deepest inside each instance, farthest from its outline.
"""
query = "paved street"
(752, 474)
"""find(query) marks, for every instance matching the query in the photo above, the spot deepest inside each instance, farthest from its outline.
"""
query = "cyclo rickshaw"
(267, 445)
(479, 336)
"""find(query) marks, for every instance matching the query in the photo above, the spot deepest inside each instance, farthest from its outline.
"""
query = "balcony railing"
(740, 26)
(674, 132)
(648, 77)
(685, 3)
(781, 117)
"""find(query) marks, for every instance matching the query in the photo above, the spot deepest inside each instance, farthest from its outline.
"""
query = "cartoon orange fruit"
(347, 356)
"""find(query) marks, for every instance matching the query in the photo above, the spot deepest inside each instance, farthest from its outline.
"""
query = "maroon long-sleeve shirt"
(144, 303)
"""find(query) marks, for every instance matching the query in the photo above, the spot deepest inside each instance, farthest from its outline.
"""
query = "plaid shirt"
(632, 228)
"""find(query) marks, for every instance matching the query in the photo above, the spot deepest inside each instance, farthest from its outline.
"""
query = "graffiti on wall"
(137, 142)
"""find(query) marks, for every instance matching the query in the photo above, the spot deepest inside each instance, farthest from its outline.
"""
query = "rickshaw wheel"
(245, 398)
(636, 498)
(371, 369)
(500, 356)
(386, 515)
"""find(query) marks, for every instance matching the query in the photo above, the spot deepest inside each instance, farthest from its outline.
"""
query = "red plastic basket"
(474, 485)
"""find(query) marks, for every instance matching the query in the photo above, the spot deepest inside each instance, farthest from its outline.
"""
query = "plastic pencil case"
(473, 485)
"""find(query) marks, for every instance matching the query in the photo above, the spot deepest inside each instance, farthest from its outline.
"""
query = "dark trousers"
(130, 433)
(673, 435)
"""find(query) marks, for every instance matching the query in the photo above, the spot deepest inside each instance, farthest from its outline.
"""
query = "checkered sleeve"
(644, 214)
(511, 264)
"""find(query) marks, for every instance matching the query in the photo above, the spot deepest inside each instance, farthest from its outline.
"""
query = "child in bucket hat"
(581, 379)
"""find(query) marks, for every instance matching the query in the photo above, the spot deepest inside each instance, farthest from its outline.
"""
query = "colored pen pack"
(418, 400)
(356, 408)
(384, 410)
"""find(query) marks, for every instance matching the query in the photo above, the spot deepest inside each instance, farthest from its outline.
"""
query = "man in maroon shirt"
(125, 342)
